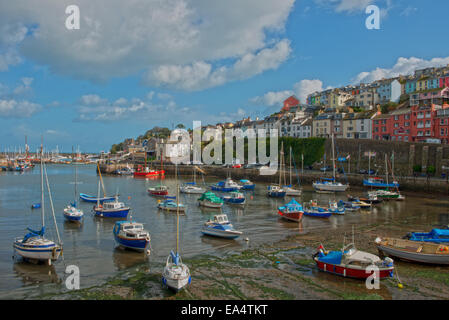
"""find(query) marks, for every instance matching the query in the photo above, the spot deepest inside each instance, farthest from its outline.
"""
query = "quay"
(307, 177)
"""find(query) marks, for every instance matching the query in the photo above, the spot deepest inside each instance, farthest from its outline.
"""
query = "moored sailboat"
(330, 185)
(71, 212)
(34, 246)
(176, 275)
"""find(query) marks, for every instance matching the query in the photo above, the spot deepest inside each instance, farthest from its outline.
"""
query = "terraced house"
(358, 125)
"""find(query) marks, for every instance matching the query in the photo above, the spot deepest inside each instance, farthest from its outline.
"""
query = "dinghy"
(89, 198)
(171, 205)
(435, 235)
(415, 251)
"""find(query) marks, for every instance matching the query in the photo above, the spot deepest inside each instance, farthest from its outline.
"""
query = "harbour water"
(91, 246)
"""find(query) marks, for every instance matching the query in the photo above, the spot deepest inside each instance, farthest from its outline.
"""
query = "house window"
(407, 116)
(442, 132)
(396, 118)
(406, 138)
(396, 125)
(442, 121)
(407, 124)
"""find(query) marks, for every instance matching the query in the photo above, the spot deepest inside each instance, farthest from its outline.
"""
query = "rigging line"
(51, 204)
(343, 167)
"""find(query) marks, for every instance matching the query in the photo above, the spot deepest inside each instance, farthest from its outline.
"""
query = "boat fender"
(53, 252)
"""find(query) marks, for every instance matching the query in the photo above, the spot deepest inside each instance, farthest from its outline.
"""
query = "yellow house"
(421, 84)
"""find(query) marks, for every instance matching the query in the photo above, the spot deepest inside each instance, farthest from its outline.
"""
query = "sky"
(136, 64)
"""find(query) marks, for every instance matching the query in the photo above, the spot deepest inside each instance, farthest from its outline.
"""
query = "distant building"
(291, 101)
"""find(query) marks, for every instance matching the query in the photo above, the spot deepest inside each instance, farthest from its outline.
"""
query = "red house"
(291, 101)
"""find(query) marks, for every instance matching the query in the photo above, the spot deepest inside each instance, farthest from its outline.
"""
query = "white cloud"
(11, 34)
(18, 109)
(24, 87)
(272, 98)
(92, 99)
(305, 87)
(200, 75)
(403, 66)
(118, 39)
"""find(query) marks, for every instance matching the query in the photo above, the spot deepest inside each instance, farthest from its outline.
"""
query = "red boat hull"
(292, 216)
(158, 193)
(351, 273)
(149, 174)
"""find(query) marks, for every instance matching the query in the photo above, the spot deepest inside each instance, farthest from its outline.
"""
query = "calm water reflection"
(90, 245)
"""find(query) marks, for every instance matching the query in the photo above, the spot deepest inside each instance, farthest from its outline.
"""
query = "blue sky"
(129, 68)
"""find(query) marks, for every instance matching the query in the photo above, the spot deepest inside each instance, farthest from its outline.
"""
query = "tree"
(180, 126)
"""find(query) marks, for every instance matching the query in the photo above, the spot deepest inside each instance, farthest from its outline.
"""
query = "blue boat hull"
(317, 215)
(367, 183)
(234, 201)
(88, 198)
(223, 189)
(248, 187)
(277, 194)
(112, 214)
(71, 218)
(134, 244)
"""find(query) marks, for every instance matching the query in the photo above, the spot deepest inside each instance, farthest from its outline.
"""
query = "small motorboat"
(35, 206)
(176, 274)
(275, 191)
(147, 172)
(220, 227)
(210, 200)
(336, 208)
(171, 205)
(377, 182)
(415, 251)
(435, 235)
(126, 171)
(112, 209)
(131, 235)
(292, 211)
(226, 186)
(386, 195)
(72, 213)
(352, 263)
(361, 204)
(234, 198)
(159, 190)
(373, 199)
(349, 205)
(89, 198)
(247, 185)
(191, 188)
(316, 211)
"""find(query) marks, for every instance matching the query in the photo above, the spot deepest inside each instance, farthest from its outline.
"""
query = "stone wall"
(406, 155)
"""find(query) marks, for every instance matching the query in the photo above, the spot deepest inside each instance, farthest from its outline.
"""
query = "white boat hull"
(42, 254)
(208, 204)
(292, 192)
(221, 233)
(192, 190)
(176, 278)
(330, 187)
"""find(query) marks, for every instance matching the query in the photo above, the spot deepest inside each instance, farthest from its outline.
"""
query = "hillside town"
(412, 108)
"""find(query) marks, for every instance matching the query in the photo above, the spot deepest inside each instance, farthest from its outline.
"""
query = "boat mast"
(386, 168)
(280, 163)
(291, 166)
(177, 209)
(333, 157)
(101, 179)
(42, 182)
